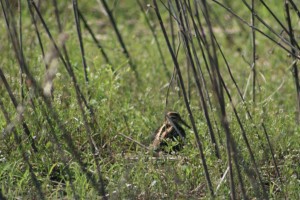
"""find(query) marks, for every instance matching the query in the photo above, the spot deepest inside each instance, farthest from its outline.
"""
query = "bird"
(170, 131)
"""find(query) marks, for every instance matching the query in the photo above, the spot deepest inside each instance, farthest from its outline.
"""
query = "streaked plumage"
(170, 130)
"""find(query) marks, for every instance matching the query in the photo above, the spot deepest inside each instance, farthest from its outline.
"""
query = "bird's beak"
(184, 123)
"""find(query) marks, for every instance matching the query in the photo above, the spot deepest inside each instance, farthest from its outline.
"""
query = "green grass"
(124, 105)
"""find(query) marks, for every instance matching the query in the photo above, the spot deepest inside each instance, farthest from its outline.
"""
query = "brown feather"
(168, 131)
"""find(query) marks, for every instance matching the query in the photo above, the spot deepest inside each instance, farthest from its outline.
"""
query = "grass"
(67, 163)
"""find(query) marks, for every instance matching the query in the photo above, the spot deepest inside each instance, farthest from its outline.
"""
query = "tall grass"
(85, 85)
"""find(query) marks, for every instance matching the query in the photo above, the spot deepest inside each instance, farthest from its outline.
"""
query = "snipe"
(170, 132)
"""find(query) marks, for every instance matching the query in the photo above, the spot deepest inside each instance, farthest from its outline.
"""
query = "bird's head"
(176, 118)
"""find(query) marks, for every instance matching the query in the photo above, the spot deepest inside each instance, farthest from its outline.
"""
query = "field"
(84, 87)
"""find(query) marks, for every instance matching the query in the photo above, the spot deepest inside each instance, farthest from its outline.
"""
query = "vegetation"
(85, 85)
